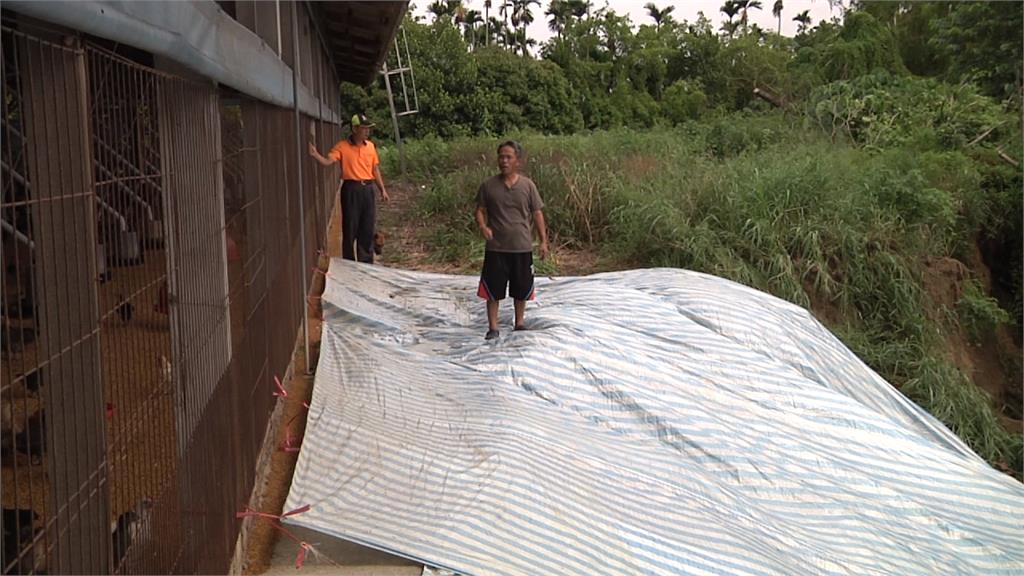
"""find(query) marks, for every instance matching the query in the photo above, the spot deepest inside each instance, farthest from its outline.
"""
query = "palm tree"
(660, 16)
(494, 29)
(746, 5)
(579, 8)
(487, 21)
(777, 12)
(559, 11)
(523, 41)
(523, 16)
(471, 21)
(803, 21)
(730, 9)
(509, 38)
(438, 9)
(730, 27)
(506, 9)
(447, 10)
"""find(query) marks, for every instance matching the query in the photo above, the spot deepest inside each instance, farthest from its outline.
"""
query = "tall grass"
(772, 203)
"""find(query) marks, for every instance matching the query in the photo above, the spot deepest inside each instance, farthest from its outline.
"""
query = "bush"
(747, 63)
(882, 110)
(732, 135)
(979, 313)
(684, 100)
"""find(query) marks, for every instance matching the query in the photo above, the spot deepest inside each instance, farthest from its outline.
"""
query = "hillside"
(892, 250)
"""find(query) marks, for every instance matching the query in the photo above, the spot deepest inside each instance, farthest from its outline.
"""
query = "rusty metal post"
(298, 180)
(394, 116)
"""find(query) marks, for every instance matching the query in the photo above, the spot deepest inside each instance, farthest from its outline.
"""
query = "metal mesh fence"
(151, 290)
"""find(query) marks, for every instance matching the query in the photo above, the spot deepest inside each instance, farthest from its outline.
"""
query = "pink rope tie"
(275, 521)
(280, 392)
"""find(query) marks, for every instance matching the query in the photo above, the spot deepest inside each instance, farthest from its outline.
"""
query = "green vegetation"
(601, 71)
(873, 183)
(979, 313)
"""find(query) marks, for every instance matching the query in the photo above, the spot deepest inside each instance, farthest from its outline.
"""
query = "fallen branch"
(1009, 159)
(770, 98)
(982, 136)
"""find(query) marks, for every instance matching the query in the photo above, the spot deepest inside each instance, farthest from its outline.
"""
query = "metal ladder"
(403, 67)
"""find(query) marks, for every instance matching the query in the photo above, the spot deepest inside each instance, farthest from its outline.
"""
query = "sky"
(684, 10)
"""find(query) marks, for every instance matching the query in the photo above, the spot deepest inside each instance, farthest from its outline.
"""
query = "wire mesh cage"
(151, 291)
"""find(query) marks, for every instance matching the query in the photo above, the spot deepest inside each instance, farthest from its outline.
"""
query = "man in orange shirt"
(360, 180)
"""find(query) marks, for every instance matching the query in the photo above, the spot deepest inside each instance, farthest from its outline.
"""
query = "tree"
(777, 12)
(745, 6)
(914, 26)
(471, 22)
(438, 9)
(803, 21)
(860, 45)
(495, 31)
(560, 12)
(730, 27)
(446, 10)
(487, 21)
(660, 16)
(731, 8)
(508, 38)
(523, 41)
(522, 17)
(579, 8)
(506, 9)
(983, 43)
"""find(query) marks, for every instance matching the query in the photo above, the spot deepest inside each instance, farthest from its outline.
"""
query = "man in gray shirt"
(505, 205)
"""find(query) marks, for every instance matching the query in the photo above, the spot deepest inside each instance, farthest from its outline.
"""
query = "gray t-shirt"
(509, 212)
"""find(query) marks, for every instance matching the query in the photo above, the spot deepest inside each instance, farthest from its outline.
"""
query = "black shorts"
(513, 270)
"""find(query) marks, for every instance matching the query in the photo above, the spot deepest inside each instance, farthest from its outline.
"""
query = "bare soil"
(265, 533)
(990, 362)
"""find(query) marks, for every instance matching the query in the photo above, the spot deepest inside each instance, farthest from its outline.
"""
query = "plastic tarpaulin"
(649, 422)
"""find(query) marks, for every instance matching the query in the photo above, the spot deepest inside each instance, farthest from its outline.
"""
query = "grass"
(979, 313)
(770, 202)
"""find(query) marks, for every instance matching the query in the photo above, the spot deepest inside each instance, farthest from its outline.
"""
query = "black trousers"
(358, 219)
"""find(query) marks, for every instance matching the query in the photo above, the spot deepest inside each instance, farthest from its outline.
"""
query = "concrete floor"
(343, 558)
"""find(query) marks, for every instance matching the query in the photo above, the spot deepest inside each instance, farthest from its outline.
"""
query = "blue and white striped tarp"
(649, 422)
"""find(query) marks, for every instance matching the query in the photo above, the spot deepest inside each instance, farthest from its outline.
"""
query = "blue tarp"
(649, 422)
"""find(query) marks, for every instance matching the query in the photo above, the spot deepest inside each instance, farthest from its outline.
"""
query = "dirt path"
(407, 243)
(405, 232)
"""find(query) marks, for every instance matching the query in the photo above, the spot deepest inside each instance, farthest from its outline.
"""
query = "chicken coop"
(160, 218)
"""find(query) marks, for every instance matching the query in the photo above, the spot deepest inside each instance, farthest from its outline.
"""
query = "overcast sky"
(684, 10)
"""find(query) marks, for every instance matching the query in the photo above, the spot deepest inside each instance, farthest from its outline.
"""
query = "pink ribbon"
(280, 392)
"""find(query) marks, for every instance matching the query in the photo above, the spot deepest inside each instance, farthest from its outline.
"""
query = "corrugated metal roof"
(359, 35)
